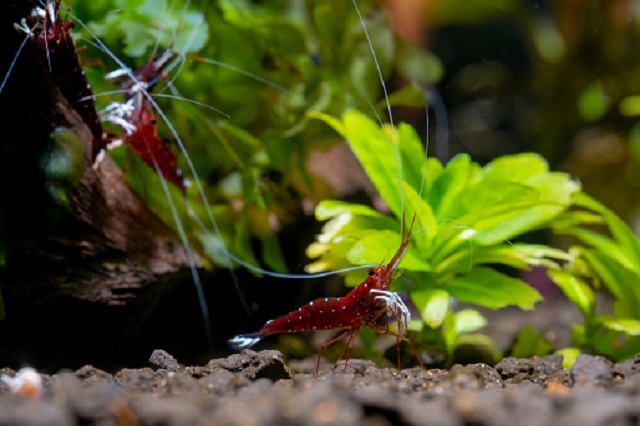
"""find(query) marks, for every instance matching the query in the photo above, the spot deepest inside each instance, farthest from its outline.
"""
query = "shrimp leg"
(385, 331)
(351, 333)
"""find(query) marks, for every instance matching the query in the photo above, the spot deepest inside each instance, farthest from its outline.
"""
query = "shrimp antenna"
(13, 63)
(386, 97)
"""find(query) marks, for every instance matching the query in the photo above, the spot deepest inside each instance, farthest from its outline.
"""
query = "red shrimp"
(138, 121)
(150, 73)
(144, 140)
(362, 306)
(51, 35)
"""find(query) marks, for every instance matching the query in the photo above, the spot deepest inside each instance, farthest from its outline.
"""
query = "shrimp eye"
(371, 272)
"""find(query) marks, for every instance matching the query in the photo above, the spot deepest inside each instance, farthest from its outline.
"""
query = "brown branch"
(109, 248)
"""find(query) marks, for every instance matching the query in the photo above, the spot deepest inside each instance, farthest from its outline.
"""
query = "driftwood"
(108, 249)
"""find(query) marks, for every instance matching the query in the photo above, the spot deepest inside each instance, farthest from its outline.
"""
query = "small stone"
(474, 376)
(255, 365)
(162, 359)
(510, 367)
(591, 371)
(90, 373)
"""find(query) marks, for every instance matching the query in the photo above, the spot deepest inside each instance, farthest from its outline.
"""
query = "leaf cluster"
(606, 260)
(264, 65)
(466, 216)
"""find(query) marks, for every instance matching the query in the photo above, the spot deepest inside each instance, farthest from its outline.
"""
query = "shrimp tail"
(245, 341)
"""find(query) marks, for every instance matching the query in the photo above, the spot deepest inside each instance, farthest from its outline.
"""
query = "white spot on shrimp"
(300, 317)
(310, 303)
(344, 308)
(338, 299)
(333, 310)
(366, 285)
(269, 322)
(326, 299)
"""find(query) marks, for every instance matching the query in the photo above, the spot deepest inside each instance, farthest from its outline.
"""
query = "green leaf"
(615, 276)
(468, 321)
(487, 287)
(569, 356)
(335, 123)
(627, 350)
(145, 25)
(525, 206)
(328, 209)
(520, 256)
(555, 188)
(431, 169)
(412, 156)
(377, 153)
(529, 343)
(444, 194)
(620, 230)
(482, 341)
(605, 341)
(576, 290)
(515, 168)
(593, 102)
(630, 106)
(215, 247)
(486, 196)
(368, 337)
(503, 222)
(425, 221)
(625, 325)
(603, 245)
(65, 159)
(433, 305)
(374, 248)
(272, 254)
(570, 219)
(410, 95)
(418, 65)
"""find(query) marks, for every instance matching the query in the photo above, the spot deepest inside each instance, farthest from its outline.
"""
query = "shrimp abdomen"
(327, 313)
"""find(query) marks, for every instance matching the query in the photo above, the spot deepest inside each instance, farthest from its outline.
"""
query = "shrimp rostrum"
(363, 306)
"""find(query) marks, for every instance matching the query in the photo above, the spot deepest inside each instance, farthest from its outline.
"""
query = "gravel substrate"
(257, 388)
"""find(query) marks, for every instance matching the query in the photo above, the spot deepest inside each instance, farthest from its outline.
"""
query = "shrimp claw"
(395, 304)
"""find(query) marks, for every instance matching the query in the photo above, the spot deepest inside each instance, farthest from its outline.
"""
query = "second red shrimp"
(362, 306)
(138, 122)
(51, 35)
